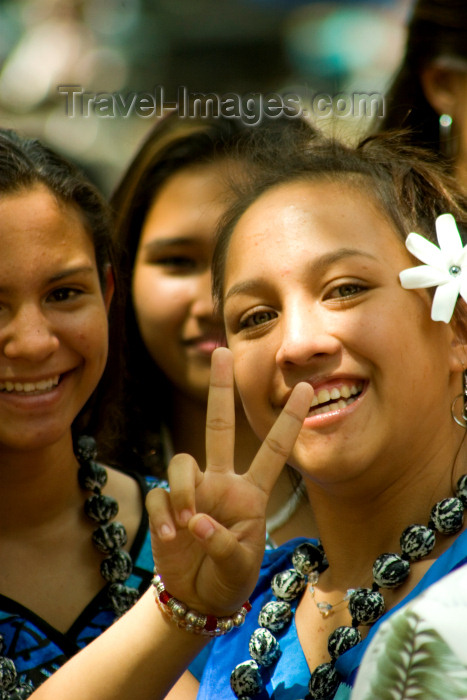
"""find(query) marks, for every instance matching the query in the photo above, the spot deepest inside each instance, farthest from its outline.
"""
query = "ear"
(459, 338)
(443, 87)
(458, 361)
(109, 287)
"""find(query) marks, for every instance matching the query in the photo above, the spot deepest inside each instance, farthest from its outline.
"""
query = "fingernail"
(203, 529)
(164, 531)
(185, 516)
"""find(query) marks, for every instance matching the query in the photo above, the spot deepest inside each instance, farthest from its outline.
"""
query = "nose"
(305, 335)
(202, 306)
(28, 335)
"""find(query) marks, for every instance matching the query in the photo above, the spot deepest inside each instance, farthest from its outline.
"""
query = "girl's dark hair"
(437, 29)
(26, 163)
(174, 143)
(409, 189)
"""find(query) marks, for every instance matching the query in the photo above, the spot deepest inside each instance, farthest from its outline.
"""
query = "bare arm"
(186, 687)
(137, 658)
(208, 537)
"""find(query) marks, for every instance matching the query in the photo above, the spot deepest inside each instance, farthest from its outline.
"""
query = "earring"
(462, 421)
(445, 136)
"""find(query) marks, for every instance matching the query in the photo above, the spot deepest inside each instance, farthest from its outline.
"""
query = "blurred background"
(124, 49)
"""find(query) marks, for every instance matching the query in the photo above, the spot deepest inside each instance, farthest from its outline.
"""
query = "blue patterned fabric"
(288, 679)
(38, 649)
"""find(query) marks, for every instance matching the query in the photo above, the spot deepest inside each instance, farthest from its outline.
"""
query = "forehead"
(311, 219)
(36, 227)
(191, 195)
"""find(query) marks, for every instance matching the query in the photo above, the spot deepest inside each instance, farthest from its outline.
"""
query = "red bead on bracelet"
(192, 620)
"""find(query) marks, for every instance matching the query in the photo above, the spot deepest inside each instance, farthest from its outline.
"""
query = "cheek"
(87, 334)
(98, 337)
(159, 303)
(254, 376)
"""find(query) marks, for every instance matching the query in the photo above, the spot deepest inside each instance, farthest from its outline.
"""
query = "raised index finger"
(220, 418)
(278, 444)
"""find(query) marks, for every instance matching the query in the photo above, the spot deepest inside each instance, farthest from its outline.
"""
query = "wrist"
(192, 620)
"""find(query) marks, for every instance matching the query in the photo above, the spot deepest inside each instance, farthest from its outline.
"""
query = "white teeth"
(343, 395)
(30, 387)
(356, 388)
(323, 396)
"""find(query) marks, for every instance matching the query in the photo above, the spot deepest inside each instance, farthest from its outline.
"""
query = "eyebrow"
(316, 267)
(63, 274)
(69, 272)
(161, 243)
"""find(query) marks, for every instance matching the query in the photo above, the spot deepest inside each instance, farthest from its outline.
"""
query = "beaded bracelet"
(192, 620)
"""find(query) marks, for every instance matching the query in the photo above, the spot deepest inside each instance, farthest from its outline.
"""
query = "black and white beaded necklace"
(366, 605)
(108, 538)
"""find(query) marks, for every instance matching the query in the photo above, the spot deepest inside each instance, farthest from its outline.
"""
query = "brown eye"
(180, 262)
(346, 290)
(64, 294)
(257, 319)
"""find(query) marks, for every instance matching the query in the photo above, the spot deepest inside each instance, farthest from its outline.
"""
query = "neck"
(37, 485)
(358, 522)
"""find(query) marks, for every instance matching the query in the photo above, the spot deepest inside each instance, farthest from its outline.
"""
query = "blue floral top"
(288, 678)
(37, 649)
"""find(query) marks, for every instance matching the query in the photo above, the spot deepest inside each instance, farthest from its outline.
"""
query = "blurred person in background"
(429, 92)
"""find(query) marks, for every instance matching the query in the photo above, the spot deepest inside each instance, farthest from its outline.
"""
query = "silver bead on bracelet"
(192, 620)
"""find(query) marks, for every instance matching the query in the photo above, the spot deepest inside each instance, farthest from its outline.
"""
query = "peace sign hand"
(208, 532)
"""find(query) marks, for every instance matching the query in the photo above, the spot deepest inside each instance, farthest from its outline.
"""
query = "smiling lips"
(325, 400)
(29, 388)
(206, 344)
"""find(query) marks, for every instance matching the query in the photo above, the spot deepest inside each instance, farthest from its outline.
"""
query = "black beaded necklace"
(366, 605)
(108, 538)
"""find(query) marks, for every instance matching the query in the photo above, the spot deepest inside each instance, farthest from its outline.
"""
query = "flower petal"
(444, 301)
(449, 238)
(423, 276)
(425, 250)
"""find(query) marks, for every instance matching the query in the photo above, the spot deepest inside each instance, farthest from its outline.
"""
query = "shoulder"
(129, 491)
(432, 627)
(124, 481)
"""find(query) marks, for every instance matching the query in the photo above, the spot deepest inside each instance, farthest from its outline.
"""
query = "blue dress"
(288, 678)
(38, 649)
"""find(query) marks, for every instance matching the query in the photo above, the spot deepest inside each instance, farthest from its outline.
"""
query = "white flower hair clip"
(445, 267)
